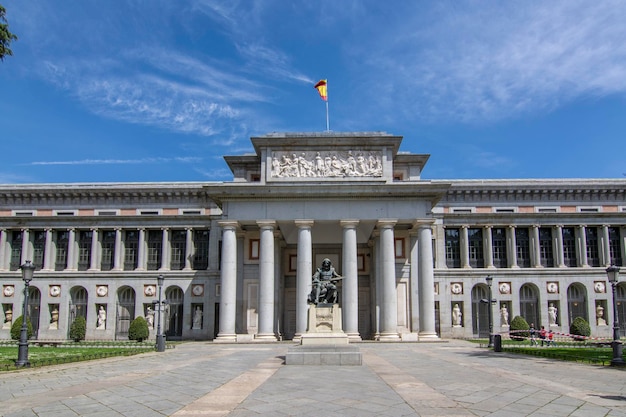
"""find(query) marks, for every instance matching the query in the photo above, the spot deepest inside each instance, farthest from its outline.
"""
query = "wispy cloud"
(185, 160)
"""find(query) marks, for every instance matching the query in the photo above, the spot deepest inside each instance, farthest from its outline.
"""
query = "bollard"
(497, 343)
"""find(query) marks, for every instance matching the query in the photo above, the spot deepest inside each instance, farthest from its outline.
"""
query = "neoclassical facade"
(238, 256)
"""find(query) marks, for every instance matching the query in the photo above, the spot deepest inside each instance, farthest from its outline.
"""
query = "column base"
(427, 336)
(389, 337)
(226, 338)
(354, 337)
(265, 337)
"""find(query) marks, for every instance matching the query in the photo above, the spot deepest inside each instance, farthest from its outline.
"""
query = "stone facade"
(238, 257)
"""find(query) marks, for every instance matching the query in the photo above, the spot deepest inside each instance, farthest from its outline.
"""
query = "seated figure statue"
(324, 284)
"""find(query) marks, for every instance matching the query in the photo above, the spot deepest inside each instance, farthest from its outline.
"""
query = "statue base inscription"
(324, 343)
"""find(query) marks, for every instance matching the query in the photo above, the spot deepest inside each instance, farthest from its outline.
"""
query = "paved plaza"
(448, 378)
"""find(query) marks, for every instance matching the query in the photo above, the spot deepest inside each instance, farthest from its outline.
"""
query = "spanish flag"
(321, 88)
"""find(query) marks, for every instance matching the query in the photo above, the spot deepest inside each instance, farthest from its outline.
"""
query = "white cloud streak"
(184, 160)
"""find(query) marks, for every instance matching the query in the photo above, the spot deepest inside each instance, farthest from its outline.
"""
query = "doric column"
(4, 250)
(622, 244)
(188, 248)
(582, 246)
(166, 250)
(377, 281)
(414, 279)
(535, 247)
(511, 247)
(94, 264)
(558, 239)
(118, 251)
(228, 299)
(426, 282)
(25, 246)
(464, 243)
(72, 261)
(488, 246)
(606, 250)
(303, 274)
(389, 327)
(141, 250)
(48, 255)
(266, 281)
(350, 283)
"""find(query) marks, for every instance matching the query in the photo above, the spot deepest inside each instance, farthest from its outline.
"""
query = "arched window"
(78, 303)
(34, 308)
(480, 312)
(174, 318)
(125, 311)
(529, 304)
(620, 300)
(577, 302)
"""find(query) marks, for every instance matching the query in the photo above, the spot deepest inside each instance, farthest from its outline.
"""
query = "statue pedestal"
(324, 343)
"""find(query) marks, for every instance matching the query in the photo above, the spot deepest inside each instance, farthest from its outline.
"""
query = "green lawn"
(70, 352)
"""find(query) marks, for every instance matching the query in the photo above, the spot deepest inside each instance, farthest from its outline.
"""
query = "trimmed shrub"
(580, 327)
(78, 329)
(519, 323)
(16, 328)
(138, 329)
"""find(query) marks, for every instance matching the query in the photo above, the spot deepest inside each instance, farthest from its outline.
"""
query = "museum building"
(238, 257)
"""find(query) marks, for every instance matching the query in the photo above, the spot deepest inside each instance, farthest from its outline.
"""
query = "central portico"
(349, 197)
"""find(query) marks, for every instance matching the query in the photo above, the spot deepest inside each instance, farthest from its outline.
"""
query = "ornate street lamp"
(160, 339)
(612, 273)
(22, 352)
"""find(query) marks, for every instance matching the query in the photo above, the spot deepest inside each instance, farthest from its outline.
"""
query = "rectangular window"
(475, 241)
(179, 239)
(569, 247)
(155, 245)
(84, 249)
(62, 244)
(593, 253)
(16, 250)
(453, 248)
(108, 250)
(201, 249)
(39, 247)
(498, 244)
(546, 252)
(131, 245)
(614, 246)
(522, 243)
(253, 250)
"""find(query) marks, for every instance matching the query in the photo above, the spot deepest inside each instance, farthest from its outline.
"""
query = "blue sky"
(137, 90)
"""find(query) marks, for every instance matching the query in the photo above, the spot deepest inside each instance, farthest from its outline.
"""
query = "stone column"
(166, 252)
(558, 231)
(622, 234)
(582, 246)
(414, 279)
(488, 247)
(141, 250)
(188, 248)
(377, 281)
(606, 250)
(266, 281)
(304, 274)
(511, 247)
(426, 282)
(389, 325)
(118, 251)
(4, 250)
(72, 262)
(535, 247)
(228, 300)
(350, 283)
(94, 264)
(48, 259)
(464, 243)
(25, 246)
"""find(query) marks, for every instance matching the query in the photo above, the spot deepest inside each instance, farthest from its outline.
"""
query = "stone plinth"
(324, 343)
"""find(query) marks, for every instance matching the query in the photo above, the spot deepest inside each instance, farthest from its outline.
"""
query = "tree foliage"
(78, 329)
(138, 329)
(6, 37)
(580, 327)
(519, 324)
(16, 328)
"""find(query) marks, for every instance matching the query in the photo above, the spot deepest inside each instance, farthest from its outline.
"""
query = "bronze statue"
(324, 285)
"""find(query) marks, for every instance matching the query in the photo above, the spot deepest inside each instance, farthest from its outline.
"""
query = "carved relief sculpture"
(336, 164)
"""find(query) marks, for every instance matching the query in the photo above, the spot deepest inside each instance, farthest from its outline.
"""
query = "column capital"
(386, 223)
(348, 224)
(228, 224)
(423, 223)
(303, 223)
(265, 224)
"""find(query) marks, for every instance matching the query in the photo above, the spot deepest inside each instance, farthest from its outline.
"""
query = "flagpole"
(327, 122)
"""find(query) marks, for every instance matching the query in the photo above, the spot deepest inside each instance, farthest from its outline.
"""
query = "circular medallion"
(55, 290)
(9, 290)
(102, 290)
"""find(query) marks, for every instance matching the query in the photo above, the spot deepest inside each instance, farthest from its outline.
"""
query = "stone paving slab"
(450, 378)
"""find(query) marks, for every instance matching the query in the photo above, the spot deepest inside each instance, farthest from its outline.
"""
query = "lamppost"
(612, 273)
(160, 339)
(22, 352)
